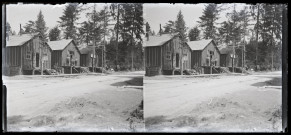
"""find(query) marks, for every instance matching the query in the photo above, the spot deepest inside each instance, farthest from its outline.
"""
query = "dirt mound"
(136, 118)
(220, 114)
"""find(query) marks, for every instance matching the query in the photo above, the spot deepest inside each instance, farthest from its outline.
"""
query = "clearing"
(222, 103)
(75, 103)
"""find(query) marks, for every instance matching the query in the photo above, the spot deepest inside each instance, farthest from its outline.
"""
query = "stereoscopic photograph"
(143, 67)
(66, 70)
(213, 67)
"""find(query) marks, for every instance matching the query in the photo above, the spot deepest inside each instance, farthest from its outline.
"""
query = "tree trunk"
(257, 38)
(117, 27)
(104, 39)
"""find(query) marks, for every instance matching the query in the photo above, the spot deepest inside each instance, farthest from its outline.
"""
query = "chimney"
(147, 35)
(160, 29)
(20, 32)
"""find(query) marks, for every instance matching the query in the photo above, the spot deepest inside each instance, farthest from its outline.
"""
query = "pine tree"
(194, 34)
(104, 15)
(148, 27)
(208, 20)
(86, 32)
(116, 11)
(180, 26)
(235, 27)
(8, 29)
(256, 11)
(169, 27)
(271, 31)
(224, 33)
(68, 20)
(40, 26)
(30, 27)
(54, 34)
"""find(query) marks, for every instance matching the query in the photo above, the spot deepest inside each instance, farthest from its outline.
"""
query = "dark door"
(177, 60)
(37, 59)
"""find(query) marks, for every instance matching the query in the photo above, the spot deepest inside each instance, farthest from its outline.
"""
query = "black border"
(284, 57)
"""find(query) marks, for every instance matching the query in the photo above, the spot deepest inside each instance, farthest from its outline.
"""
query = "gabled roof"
(60, 44)
(19, 40)
(225, 50)
(158, 40)
(199, 45)
(86, 50)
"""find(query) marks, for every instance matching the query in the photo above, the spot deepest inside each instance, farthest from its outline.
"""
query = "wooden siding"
(12, 56)
(170, 51)
(196, 59)
(210, 47)
(223, 60)
(24, 57)
(30, 49)
(56, 58)
(177, 49)
(226, 61)
(163, 58)
(48, 52)
(186, 57)
(86, 60)
(66, 54)
(167, 56)
(83, 60)
(153, 56)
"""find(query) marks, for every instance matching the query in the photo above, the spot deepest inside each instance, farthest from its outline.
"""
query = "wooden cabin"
(225, 57)
(86, 57)
(65, 53)
(163, 54)
(186, 57)
(204, 53)
(24, 53)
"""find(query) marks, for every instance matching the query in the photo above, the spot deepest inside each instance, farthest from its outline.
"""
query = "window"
(71, 52)
(28, 55)
(211, 54)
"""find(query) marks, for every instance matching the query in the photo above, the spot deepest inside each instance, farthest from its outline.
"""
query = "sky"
(21, 13)
(156, 14)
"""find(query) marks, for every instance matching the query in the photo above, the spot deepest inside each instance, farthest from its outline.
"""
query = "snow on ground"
(72, 103)
(210, 104)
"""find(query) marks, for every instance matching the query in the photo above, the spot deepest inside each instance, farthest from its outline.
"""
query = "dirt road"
(237, 103)
(73, 103)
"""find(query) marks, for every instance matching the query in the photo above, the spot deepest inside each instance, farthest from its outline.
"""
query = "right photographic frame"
(213, 67)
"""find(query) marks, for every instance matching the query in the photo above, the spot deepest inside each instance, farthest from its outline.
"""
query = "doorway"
(37, 59)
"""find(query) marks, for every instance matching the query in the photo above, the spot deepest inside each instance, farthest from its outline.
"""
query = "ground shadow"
(135, 81)
(277, 81)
